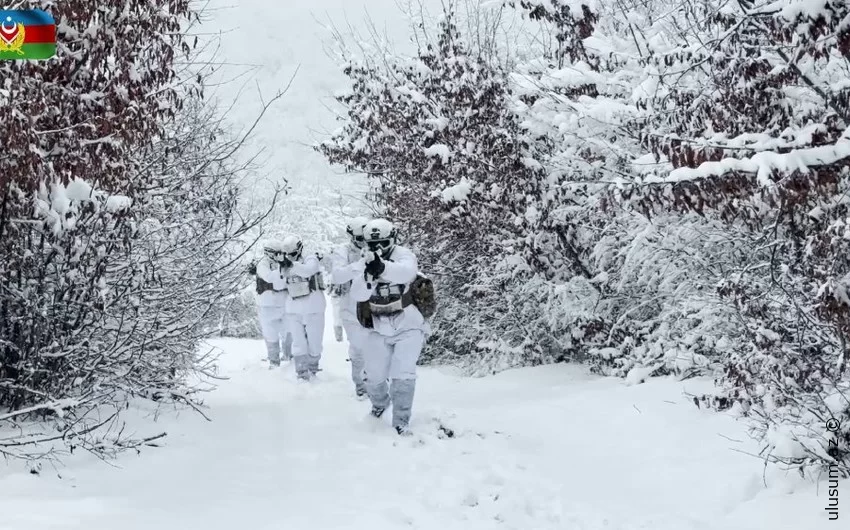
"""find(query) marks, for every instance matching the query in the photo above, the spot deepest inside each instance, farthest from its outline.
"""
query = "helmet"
(292, 247)
(380, 236)
(354, 229)
(273, 249)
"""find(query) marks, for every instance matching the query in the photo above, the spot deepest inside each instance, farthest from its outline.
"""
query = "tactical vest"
(302, 287)
(389, 299)
(420, 293)
(263, 286)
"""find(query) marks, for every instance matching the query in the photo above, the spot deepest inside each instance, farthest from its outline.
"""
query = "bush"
(119, 233)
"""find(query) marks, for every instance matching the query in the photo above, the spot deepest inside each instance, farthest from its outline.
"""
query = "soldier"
(271, 303)
(397, 327)
(346, 265)
(305, 306)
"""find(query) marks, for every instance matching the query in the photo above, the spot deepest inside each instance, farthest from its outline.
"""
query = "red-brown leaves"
(113, 56)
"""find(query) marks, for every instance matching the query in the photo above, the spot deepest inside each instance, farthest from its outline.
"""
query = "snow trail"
(542, 448)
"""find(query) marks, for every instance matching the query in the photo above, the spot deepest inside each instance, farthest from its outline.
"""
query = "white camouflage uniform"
(305, 315)
(346, 265)
(271, 308)
(393, 345)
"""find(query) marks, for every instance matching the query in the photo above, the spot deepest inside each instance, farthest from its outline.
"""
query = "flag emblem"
(27, 34)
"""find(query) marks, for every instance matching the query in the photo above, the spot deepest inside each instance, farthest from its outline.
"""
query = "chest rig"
(299, 287)
(388, 299)
(263, 286)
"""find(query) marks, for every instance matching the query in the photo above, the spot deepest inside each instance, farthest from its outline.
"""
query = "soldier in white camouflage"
(305, 306)
(389, 308)
(271, 303)
(347, 264)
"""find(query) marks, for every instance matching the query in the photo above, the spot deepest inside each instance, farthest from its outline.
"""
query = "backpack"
(364, 314)
(424, 296)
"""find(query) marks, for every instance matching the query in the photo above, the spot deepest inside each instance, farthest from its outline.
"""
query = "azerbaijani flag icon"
(27, 34)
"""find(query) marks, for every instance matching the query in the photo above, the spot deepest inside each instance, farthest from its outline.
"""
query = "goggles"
(379, 244)
(279, 255)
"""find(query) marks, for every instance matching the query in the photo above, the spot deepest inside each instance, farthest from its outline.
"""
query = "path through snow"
(543, 448)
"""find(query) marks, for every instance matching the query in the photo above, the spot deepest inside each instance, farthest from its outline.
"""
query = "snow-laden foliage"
(674, 200)
(450, 165)
(119, 233)
(754, 127)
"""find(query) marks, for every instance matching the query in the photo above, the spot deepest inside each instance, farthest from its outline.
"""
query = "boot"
(273, 350)
(314, 365)
(380, 397)
(402, 391)
(287, 347)
(302, 367)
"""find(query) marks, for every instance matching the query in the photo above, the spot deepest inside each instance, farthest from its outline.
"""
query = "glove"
(375, 267)
(338, 333)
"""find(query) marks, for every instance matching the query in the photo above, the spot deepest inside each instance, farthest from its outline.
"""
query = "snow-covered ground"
(542, 448)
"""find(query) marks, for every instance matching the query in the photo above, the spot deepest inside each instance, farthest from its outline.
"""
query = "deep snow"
(542, 448)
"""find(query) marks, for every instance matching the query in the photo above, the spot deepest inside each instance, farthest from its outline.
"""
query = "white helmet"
(380, 236)
(273, 249)
(292, 247)
(354, 229)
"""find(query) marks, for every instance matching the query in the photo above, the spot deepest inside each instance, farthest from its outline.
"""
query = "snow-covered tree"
(672, 200)
(119, 233)
(451, 167)
(749, 116)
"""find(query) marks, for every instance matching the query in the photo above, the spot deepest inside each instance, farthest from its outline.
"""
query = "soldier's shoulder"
(401, 250)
